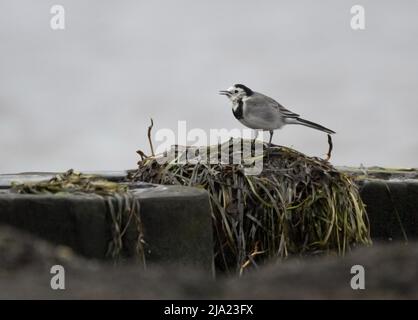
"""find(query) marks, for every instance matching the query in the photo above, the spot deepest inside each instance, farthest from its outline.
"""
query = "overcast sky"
(82, 97)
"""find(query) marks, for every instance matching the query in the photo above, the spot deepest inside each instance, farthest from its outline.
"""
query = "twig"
(142, 154)
(149, 137)
(329, 149)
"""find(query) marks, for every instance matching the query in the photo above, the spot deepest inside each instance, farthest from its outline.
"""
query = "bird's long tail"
(309, 124)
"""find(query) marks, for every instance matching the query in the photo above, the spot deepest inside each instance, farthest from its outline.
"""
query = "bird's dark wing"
(283, 111)
(287, 113)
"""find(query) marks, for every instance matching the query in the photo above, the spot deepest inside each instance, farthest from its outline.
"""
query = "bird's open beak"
(224, 92)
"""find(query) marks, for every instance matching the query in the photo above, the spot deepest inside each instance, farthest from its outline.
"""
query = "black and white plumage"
(260, 112)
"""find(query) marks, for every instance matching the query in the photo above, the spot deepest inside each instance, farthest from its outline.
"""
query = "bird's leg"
(271, 137)
(257, 132)
(254, 140)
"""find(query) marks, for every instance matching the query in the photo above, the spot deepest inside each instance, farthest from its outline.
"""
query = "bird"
(260, 112)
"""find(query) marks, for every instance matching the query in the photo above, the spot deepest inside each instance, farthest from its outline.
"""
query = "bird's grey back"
(261, 99)
(262, 112)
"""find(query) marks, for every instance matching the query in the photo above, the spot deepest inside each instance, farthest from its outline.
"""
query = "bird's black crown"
(247, 90)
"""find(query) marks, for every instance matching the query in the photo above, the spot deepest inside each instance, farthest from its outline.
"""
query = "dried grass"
(122, 207)
(297, 205)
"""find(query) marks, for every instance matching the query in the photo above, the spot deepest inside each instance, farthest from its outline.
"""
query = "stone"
(392, 207)
(176, 220)
(25, 262)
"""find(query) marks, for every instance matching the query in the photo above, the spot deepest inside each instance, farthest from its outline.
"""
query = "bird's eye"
(235, 91)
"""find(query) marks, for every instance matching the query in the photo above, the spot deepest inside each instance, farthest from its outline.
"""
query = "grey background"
(82, 98)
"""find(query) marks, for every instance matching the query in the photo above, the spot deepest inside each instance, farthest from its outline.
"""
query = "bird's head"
(237, 92)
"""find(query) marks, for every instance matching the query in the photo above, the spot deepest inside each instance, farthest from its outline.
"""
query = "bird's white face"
(234, 93)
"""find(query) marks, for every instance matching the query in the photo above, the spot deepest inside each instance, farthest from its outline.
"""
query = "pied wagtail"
(260, 112)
